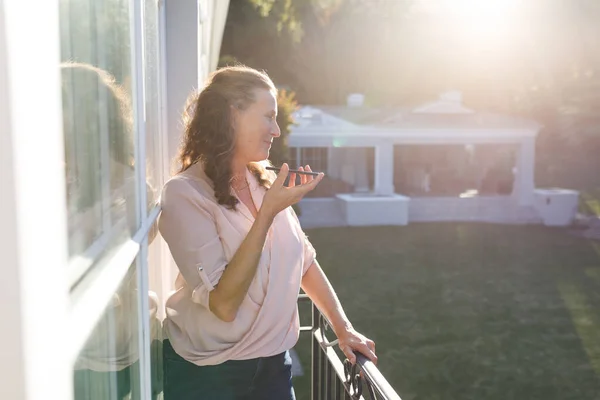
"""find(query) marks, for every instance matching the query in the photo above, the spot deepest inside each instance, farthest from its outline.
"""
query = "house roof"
(408, 119)
(443, 120)
(398, 118)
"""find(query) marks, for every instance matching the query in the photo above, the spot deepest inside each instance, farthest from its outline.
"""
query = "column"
(384, 169)
(524, 183)
(361, 181)
(333, 162)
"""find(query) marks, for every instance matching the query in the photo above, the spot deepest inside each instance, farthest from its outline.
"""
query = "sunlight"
(584, 319)
(482, 17)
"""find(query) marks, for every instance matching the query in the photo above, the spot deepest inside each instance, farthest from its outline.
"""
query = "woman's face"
(256, 127)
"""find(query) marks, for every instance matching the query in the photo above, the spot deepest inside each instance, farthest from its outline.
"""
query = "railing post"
(328, 385)
(323, 360)
(338, 389)
(315, 355)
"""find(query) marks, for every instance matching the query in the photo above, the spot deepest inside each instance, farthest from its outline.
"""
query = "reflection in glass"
(98, 125)
(156, 349)
(108, 366)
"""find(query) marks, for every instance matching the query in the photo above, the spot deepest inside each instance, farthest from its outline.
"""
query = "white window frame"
(48, 324)
(81, 263)
(91, 296)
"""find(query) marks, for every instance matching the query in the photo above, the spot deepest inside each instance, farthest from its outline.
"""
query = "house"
(439, 161)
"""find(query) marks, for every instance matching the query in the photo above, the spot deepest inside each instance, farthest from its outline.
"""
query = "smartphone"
(295, 171)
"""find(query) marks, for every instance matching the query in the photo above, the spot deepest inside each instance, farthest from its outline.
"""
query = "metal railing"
(333, 379)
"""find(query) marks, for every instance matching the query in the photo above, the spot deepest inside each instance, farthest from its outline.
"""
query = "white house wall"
(33, 288)
(182, 63)
(12, 369)
(193, 35)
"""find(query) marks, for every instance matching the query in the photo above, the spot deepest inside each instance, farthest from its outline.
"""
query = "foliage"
(544, 66)
(227, 61)
(283, 12)
(286, 106)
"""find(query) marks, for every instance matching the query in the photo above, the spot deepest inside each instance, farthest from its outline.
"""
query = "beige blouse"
(203, 236)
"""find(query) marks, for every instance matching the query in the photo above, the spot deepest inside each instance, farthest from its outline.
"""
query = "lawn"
(470, 311)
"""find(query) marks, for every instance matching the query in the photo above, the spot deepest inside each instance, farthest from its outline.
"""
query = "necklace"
(235, 179)
(242, 188)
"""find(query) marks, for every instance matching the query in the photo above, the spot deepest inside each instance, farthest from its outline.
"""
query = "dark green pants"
(259, 378)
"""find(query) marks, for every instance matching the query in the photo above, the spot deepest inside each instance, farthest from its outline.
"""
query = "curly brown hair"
(77, 79)
(209, 136)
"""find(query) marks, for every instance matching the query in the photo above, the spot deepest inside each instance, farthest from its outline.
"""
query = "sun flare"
(482, 17)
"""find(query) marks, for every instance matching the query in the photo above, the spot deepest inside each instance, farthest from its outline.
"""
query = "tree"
(544, 65)
(286, 106)
(313, 46)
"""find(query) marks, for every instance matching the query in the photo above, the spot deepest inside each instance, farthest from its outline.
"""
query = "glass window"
(152, 105)
(98, 126)
(108, 365)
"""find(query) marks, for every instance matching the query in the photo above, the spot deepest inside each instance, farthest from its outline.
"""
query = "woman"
(240, 251)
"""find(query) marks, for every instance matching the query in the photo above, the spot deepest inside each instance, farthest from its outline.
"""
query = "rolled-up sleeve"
(191, 233)
(310, 255)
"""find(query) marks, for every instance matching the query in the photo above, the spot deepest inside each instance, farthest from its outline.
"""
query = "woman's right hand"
(279, 197)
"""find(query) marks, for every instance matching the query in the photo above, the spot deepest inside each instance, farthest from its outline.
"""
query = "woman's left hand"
(351, 341)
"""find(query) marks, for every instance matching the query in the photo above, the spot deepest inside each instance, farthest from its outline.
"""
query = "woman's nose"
(275, 131)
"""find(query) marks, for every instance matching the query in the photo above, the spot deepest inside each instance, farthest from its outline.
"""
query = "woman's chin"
(262, 156)
(258, 160)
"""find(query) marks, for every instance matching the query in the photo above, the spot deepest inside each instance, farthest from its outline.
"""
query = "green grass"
(590, 202)
(470, 311)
